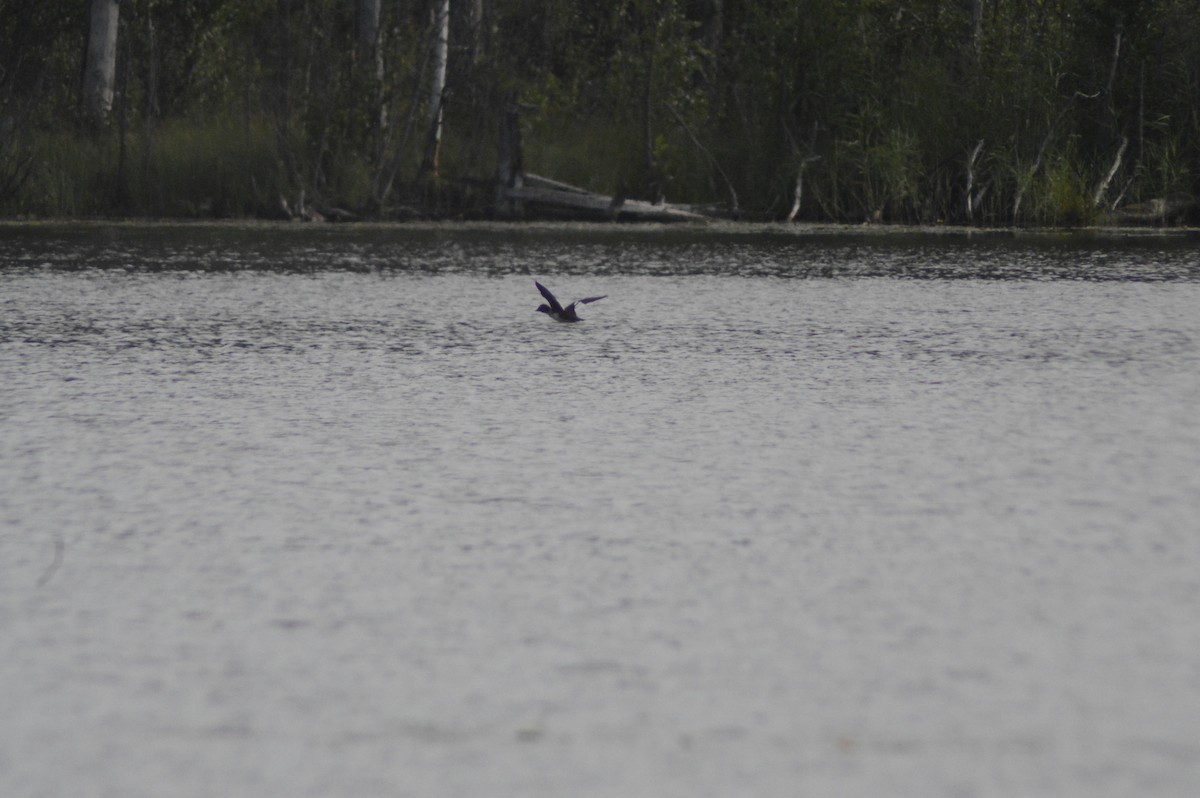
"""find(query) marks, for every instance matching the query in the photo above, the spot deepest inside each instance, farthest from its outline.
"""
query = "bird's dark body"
(554, 310)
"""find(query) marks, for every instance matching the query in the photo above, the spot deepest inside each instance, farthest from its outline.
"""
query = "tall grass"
(221, 168)
(183, 168)
(599, 155)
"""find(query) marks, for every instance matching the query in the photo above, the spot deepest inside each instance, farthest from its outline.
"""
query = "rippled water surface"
(334, 512)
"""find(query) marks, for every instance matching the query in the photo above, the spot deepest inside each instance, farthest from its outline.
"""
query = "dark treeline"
(1045, 112)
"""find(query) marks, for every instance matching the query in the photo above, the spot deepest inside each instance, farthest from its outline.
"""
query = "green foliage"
(224, 107)
(1061, 199)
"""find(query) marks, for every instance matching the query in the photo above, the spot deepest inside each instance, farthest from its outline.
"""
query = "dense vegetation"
(962, 111)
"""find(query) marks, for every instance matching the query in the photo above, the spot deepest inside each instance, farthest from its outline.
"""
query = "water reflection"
(496, 251)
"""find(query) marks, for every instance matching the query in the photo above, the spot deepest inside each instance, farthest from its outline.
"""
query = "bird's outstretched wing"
(589, 299)
(545, 292)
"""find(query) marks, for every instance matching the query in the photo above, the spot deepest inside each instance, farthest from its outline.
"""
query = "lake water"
(333, 512)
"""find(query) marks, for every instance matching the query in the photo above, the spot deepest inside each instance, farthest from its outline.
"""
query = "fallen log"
(520, 195)
(541, 196)
(1161, 210)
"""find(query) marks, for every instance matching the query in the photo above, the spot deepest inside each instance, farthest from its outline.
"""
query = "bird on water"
(557, 311)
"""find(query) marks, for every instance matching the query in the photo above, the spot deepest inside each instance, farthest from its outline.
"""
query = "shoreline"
(715, 228)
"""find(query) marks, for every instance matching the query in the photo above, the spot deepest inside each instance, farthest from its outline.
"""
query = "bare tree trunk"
(1108, 114)
(121, 193)
(510, 171)
(1102, 188)
(652, 186)
(389, 164)
(797, 194)
(975, 9)
(371, 54)
(1026, 179)
(437, 86)
(100, 72)
(367, 25)
(971, 196)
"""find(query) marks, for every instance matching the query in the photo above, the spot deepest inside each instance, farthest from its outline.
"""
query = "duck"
(557, 311)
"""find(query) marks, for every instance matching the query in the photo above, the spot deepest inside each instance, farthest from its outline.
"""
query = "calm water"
(335, 513)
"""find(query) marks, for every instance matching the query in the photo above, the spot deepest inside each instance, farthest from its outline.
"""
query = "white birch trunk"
(437, 84)
(100, 71)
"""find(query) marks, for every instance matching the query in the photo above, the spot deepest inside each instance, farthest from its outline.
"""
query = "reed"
(179, 169)
(220, 168)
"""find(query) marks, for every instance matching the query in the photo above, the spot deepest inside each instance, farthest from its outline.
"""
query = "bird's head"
(543, 308)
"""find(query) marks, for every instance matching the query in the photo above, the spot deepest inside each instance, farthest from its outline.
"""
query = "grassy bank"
(244, 169)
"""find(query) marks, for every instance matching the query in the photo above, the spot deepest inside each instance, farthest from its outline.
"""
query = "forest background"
(994, 112)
